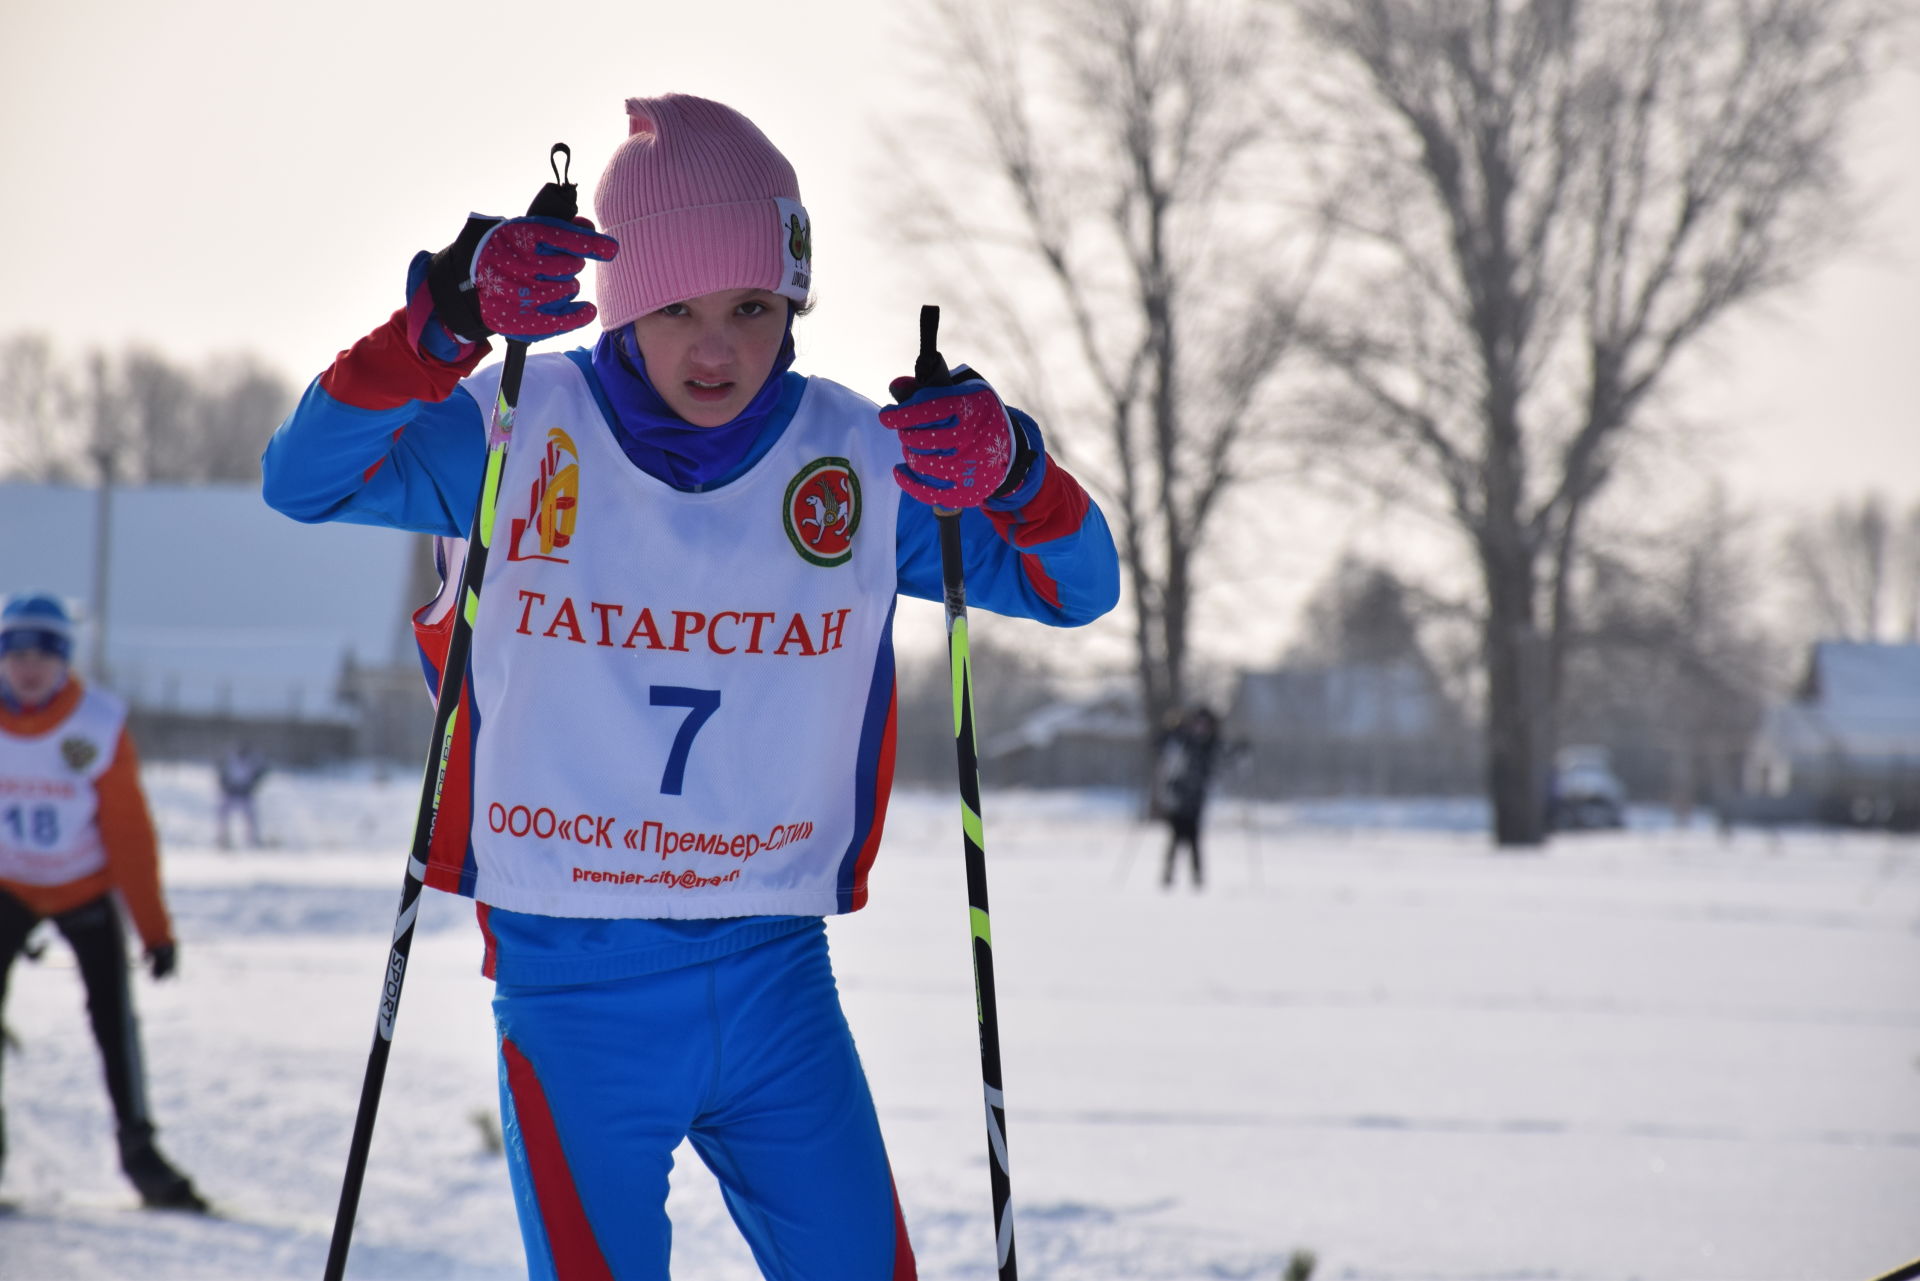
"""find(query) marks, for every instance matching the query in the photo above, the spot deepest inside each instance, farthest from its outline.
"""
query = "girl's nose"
(712, 346)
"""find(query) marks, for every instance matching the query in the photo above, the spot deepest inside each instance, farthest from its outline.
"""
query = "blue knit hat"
(36, 620)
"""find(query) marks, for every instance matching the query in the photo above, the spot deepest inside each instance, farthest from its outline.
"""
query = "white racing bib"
(49, 834)
(681, 704)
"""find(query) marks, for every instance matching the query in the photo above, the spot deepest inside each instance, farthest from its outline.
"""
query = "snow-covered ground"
(1652, 1054)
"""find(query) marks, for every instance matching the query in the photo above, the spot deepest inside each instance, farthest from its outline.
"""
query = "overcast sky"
(215, 175)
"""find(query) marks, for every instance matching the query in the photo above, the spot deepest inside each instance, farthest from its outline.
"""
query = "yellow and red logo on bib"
(822, 510)
(553, 501)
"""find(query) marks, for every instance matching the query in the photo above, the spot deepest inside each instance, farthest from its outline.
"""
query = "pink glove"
(958, 440)
(517, 277)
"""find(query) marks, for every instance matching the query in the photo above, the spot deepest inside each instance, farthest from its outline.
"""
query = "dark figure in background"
(1188, 753)
(241, 770)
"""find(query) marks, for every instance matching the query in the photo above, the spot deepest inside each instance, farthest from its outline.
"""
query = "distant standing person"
(74, 830)
(1188, 753)
(241, 771)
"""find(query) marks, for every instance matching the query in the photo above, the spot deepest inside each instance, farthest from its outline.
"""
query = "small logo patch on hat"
(822, 511)
(796, 249)
(78, 753)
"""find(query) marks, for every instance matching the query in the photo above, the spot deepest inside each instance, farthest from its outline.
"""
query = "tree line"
(1686, 633)
(134, 415)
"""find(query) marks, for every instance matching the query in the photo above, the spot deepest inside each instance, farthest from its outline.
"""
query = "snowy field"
(1651, 1054)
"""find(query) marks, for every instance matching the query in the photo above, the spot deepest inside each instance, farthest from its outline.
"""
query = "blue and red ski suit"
(621, 1037)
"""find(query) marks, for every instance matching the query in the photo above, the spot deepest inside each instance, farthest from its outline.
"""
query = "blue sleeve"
(1065, 580)
(417, 466)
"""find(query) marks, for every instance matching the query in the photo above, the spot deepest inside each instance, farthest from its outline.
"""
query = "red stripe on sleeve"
(381, 461)
(1042, 581)
(1055, 512)
(384, 371)
(576, 1255)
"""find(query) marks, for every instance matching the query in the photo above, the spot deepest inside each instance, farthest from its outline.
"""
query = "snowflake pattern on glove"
(526, 275)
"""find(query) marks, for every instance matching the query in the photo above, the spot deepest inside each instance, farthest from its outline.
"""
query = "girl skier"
(677, 728)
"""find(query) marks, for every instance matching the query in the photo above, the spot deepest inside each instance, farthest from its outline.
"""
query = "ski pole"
(930, 370)
(557, 199)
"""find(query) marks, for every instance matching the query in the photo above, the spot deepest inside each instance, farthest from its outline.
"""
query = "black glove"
(161, 959)
(450, 280)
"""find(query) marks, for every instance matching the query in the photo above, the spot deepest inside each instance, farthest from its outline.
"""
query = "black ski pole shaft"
(930, 370)
(557, 199)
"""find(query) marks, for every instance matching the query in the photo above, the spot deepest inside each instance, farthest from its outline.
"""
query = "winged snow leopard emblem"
(830, 512)
(822, 511)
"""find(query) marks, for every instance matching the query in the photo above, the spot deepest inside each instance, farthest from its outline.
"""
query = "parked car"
(1586, 792)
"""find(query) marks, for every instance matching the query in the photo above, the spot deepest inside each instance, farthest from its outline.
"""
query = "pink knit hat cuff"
(678, 254)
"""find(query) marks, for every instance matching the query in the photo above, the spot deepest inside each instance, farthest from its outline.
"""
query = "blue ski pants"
(749, 1057)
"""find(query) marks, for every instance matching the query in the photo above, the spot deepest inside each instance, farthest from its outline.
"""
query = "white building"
(1846, 746)
(221, 611)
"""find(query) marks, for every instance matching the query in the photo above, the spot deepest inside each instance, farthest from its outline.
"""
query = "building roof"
(1113, 714)
(215, 602)
(1857, 699)
(1391, 700)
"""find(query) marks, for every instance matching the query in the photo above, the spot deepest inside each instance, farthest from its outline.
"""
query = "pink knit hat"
(700, 201)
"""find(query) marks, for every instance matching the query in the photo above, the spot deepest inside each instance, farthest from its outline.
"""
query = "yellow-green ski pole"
(930, 370)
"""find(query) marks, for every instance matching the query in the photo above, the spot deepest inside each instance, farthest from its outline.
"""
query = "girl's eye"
(752, 308)
(674, 309)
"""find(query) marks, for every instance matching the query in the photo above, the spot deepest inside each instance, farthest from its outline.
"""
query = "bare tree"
(40, 436)
(1671, 665)
(1362, 613)
(153, 419)
(1856, 567)
(1102, 167)
(1554, 199)
(240, 402)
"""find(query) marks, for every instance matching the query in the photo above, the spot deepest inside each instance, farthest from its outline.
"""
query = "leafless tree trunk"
(1560, 196)
(1090, 175)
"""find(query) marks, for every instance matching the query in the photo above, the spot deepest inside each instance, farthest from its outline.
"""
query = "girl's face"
(32, 674)
(709, 356)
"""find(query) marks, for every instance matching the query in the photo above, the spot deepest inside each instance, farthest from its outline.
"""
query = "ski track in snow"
(1652, 1055)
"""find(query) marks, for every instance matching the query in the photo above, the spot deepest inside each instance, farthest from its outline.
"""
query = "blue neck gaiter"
(660, 442)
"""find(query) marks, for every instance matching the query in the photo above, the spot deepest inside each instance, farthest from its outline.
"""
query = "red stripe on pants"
(576, 1255)
(903, 1265)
